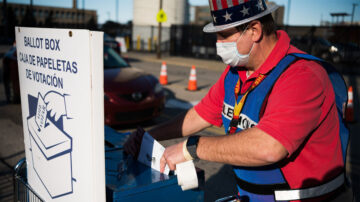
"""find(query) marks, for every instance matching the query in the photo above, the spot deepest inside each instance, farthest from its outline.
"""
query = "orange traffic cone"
(192, 79)
(349, 113)
(163, 74)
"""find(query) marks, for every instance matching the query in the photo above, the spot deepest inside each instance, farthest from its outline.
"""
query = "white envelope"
(151, 152)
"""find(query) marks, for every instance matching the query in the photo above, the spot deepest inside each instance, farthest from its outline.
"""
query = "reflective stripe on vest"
(297, 194)
(270, 175)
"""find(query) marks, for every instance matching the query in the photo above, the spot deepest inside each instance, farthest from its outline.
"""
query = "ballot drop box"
(51, 147)
(129, 180)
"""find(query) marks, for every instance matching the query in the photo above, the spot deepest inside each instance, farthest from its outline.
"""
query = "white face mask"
(230, 55)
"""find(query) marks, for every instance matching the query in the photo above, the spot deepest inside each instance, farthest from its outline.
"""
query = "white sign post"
(61, 84)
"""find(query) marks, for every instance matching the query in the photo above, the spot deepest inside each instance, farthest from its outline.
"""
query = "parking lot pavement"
(11, 142)
(215, 65)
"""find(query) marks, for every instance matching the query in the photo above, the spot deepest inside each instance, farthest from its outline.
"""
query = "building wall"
(202, 15)
(145, 33)
(278, 15)
(145, 25)
(145, 11)
(60, 15)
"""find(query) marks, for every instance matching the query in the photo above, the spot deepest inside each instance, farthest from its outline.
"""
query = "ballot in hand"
(133, 144)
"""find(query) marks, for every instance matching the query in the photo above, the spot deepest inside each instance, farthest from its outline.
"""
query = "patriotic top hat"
(231, 13)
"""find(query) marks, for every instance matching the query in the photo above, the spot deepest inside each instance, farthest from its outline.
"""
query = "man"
(280, 116)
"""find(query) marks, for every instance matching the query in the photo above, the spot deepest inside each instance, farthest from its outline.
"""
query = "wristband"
(186, 152)
(191, 146)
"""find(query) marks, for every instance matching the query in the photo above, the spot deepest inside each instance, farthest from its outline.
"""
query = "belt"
(282, 191)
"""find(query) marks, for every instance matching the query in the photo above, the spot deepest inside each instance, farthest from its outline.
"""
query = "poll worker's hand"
(172, 156)
(55, 104)
(133, 144)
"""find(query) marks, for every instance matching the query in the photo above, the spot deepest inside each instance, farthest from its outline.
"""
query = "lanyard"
(238, 106)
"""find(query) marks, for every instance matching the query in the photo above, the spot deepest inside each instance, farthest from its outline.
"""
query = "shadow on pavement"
(6, 187)
(130, 60)
(176, 81)
(221, 184)
(6, 175)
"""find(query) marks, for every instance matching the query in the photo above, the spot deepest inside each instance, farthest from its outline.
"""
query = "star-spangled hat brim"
(211, 28)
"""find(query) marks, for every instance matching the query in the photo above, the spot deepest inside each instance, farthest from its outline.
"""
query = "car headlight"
(158, 88)
(333, 49)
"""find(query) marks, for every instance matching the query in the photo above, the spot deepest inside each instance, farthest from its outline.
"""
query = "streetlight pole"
(353, 12)
(159, 36)
(117, 11)
(83, 13)
(288, 13)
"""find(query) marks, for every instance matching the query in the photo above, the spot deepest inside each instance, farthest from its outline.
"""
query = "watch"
(191, 146)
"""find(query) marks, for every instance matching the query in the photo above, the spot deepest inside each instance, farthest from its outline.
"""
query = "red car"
(131, 95)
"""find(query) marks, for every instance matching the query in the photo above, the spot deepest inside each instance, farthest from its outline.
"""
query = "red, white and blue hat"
(231, 13)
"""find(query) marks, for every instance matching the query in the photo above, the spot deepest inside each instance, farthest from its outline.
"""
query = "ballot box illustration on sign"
(50, 145)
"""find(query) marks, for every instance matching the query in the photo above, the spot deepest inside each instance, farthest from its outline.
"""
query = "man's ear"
(256, 30)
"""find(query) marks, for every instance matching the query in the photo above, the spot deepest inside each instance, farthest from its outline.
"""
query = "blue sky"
(302, 12)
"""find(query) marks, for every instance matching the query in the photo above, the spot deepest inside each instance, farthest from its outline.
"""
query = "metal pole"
(288, 12)
(159, 38)
(31, 7)
(353, 12)
(117, 11)
(83, 12)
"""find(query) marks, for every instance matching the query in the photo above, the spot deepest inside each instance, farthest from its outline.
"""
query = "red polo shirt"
(300, 113)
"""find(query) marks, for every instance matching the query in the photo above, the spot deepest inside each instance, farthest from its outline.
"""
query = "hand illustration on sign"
(55, 104)
(51, 146)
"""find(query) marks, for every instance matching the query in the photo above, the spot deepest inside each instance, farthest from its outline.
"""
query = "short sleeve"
(210, 107)
(294, 107)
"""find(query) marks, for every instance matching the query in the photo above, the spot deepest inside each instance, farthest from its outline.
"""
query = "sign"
(161, 16)
(61, 84)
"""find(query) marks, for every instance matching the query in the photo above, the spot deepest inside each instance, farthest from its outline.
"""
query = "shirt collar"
(279, 51)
